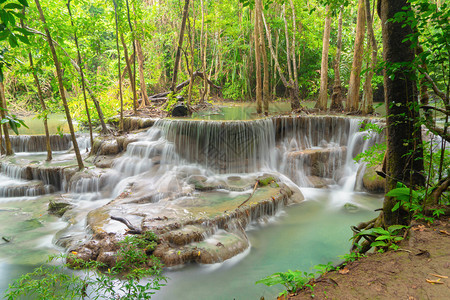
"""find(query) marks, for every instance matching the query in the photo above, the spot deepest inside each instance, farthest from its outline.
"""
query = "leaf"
(13, 6)
(13, 40)
(394, 228)
(23, 2)
(378, 244)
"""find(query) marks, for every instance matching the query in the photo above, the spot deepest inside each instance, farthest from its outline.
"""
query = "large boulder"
(372, 182)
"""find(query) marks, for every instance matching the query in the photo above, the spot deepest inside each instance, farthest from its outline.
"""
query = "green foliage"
(384, 239)
(351, 257)
(14, 122)
(171, 102)
(136, 275)
(375, 154)
(292, 280)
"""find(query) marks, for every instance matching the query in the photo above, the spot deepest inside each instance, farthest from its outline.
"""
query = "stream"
(299, 236)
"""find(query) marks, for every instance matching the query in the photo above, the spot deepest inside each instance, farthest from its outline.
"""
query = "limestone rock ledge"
(204, 226)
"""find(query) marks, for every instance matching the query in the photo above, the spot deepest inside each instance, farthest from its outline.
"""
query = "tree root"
(133, 229)
(368, 239)
(254, 189)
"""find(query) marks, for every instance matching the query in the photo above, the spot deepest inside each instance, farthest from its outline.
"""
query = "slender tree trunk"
(293, 45)
(128, 66)
(82, 75)
(180, 44)
(286, 34)
(61, 88)
(367, 106)
(44, 108)
(258, 60)
(336, 97)
(140, 55)
(323, 94)
(266, 92)
(2, 149)
(355, 75)
(294, 93)
(3, 108)
(78, 68)
(41, 99)
(132, 77)
(191, 43)
(118, 67)
(404, 155)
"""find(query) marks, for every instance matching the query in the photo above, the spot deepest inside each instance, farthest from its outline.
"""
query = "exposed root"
(133, 229)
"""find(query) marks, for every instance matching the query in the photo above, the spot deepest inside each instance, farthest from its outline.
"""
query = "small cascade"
(38, 143)
(13, 171)
(85, 187)
(319, 147)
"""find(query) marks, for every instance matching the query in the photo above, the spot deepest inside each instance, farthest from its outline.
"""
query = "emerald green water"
(56, 123)
(313, 232)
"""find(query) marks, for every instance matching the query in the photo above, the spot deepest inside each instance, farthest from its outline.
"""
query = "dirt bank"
(420, 270)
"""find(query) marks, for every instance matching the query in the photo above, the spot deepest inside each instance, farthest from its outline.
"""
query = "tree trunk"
(44, 108)
(82, 76)
(336, 97)
(9, 150)
(293, 45)
(367, 105)
(143, 91)
(293, 91)
(118, 67)
(323, 94)
(2, 149)
(128, 64)
(404, 153)
(191, 34)
(258, 60)
(180, 44)
(41, 98)
(61, 88)
(132, 77)
(266, 92)
(355, 75)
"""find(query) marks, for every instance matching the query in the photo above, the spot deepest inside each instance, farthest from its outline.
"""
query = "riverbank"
(420, 269)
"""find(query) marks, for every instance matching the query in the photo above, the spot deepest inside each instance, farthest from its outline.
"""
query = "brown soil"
(408, 273)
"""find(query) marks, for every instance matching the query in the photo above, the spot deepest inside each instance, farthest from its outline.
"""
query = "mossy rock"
(58, 208)
(267, 180)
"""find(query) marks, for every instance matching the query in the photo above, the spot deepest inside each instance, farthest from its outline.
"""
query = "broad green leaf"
(378, 244)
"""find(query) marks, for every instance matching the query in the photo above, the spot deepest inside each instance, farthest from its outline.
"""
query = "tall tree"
(336, 97)
(3, 108)
(118, 65)
(266, 92)
(404, 142)
(132, 77)
(41, 99)
(355, 75)
(180, 44)
(367, 103)
(323, 94)
(61, 87)
(291, 88)
(83, 86)
(258, 59)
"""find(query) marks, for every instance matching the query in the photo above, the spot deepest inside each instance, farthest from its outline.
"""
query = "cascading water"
(169, 164)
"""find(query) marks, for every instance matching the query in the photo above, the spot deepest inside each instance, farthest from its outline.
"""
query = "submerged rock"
(58, 207)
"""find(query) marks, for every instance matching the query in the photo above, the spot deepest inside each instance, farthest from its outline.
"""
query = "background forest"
(218, 39)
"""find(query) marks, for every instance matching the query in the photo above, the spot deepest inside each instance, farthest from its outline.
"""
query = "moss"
(264, 181)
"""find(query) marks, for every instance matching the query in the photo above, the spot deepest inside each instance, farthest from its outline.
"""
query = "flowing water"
(305, 152)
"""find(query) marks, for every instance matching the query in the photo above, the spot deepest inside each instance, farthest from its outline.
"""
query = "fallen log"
(184, 84)
(133, 229)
